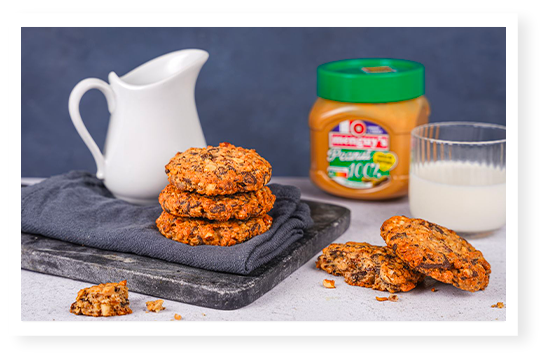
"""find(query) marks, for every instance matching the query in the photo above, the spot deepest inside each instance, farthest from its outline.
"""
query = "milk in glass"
(462, 196)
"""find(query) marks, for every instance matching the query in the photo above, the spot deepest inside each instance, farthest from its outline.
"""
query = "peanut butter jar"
(360, 126)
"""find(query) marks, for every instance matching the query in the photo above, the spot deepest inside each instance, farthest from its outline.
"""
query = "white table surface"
(302, 296)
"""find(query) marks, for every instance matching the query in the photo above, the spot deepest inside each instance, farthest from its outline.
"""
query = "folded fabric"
(76, 207)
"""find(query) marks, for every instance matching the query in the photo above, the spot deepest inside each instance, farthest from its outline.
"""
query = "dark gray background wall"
(255, 90)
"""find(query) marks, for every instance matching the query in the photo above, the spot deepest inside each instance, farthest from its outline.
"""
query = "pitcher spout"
(162, 69)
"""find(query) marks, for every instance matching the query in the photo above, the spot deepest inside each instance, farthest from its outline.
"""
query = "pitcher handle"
(74, 110)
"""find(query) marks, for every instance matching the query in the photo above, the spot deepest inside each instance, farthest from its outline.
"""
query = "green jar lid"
(373, 80)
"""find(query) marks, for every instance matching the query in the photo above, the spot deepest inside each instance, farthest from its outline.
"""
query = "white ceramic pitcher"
(152, 117)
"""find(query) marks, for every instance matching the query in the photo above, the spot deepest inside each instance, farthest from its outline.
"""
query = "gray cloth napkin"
(76, 207)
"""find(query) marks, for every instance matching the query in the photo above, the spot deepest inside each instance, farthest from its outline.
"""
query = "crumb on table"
(155, 306)
(328, 283)
(498, 305)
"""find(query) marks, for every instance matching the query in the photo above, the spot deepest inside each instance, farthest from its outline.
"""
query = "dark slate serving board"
(177, 282)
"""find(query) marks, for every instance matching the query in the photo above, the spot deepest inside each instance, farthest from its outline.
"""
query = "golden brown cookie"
(218, 208)
(108, 299)
(195, 232)
(370, 266)
(437, 252)
(225, 169)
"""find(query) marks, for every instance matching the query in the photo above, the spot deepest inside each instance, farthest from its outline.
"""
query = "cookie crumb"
(498, 305)
(204, 314)
(393, 298)
(434, 289)
(104, 300)
(155, 306)
(178, 317)
(328, 283)
(381, 299)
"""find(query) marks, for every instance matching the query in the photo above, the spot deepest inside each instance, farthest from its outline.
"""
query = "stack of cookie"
(415, 248)
(216, 196)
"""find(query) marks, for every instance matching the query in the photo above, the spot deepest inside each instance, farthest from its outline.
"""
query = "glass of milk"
(457, 175)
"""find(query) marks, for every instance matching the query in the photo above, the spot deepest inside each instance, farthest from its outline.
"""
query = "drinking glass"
(457, 175)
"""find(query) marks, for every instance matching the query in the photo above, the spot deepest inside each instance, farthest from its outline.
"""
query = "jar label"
(359, 155)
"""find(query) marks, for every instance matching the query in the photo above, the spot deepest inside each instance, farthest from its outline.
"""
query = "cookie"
(437, 252)
(195, 232)
(221, 170)
(370, 266)
(218, 208)
(109, 299)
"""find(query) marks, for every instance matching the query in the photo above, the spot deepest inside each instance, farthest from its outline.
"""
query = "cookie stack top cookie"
(216, 196)
(221, 170)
